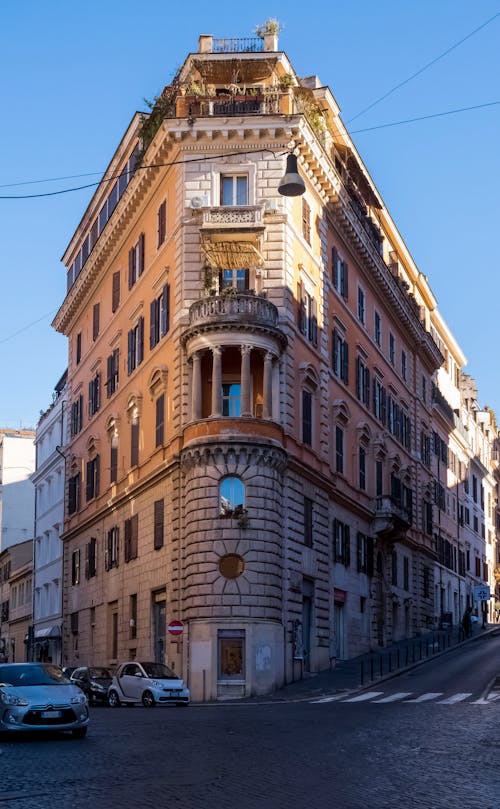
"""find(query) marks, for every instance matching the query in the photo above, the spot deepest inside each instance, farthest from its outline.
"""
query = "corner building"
(247, 382)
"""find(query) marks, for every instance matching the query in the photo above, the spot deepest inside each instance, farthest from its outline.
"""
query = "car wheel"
(148, 700)
(79, 733)
(113, 699)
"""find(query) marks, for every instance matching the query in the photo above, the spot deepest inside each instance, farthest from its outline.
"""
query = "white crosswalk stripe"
(454, 698)
(364, 697)
(394, 697)
(383, 698)
(426, 697)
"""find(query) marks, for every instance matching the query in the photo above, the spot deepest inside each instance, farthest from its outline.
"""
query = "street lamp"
(291, 184)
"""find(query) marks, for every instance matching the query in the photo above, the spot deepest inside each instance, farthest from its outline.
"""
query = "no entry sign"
(175, 628)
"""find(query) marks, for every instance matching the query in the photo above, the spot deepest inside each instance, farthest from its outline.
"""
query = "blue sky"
(73, 74)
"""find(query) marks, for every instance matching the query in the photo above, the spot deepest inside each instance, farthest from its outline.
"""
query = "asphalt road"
(403, 752)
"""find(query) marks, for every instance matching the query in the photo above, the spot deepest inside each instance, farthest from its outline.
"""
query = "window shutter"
(359, 548)
(97, 475)
(358, 386)
(301, 311)
(130, 352)
(313, 327)
(140, 340)
(115, 298)
(367, 388)
(141, 254)
(345, 367)
(113, 474)
(131, 267)
(134, 443)
(91, 397)
(158, 524)
(107, 551)
(95, 321)
(335, 363)
(109, 384)
(335, 523)
(344, 280)
(87, 561)
(153, 323)
(126, 547)
(335, 258)
(160, 420)
(347, 545)
(165, 310)
(89, 481)
(134, 536)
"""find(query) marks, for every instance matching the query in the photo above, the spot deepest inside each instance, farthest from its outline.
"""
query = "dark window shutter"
(89, 481)
(335, 522)
(335, 368)
(131, 267)
(345, 367)
(141, 254)
(313, 325)
(127, 540)
(345, 280)
(162, 222)
(130, 352)
(115, 298)
(97, 475)
(140, 340)
(359, 550)
(367, 388)
(335, 258)
(91, 398)
(134, 536)
(347, 545)
(160, 420)
(113, 475)
(165, 310)
(134, 443)
(95, 321)
(78, 347)
(358, 386)
(158, 524)
(153, 323)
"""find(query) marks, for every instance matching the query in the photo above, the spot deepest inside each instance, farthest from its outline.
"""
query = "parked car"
(68, 671)
(149, 683)
(94, 682)
(37, 696)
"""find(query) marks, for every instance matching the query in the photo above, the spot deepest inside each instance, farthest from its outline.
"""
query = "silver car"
(37, 696)
(149, 683)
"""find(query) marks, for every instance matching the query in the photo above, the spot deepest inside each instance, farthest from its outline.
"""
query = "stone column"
(216, 381)
(267, 408)
(245, 381)
(196, 387)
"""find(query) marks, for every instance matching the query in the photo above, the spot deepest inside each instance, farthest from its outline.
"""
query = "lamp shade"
(291, 184)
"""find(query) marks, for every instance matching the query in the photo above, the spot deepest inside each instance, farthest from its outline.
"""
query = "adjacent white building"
(48, 480)
(17, 495)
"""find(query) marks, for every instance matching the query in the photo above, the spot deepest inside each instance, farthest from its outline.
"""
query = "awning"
(48, 632)
(231, 255)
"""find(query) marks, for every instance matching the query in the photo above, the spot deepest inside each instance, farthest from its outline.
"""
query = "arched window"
(231, 497)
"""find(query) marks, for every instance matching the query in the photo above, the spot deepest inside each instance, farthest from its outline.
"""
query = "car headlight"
(79, 699)
(12, 699)
(155, 683)
(97, 687)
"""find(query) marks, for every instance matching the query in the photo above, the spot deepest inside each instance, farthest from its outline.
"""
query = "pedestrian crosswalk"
(437, 697)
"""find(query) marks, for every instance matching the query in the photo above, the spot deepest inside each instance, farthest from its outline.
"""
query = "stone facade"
(249, 383)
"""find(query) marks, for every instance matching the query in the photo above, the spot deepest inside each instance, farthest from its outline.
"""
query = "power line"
(425, 67)
(425, 117)
(105, 180)
(28, 326)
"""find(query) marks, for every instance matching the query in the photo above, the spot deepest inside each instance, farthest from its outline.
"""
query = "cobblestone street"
(423, 756)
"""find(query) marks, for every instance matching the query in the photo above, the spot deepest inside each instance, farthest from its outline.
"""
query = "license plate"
(51, 714)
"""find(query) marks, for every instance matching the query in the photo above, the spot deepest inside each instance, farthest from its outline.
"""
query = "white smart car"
(149, 683)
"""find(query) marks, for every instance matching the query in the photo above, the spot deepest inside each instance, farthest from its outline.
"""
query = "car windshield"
(32, 674)
(100, 674)
(159, 671)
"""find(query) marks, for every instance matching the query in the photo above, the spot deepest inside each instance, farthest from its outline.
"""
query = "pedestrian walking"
(467, 622)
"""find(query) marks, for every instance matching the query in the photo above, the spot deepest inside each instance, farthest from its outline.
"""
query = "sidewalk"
(379, 665)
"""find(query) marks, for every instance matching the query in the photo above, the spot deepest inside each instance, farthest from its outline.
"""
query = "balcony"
(440, 401)
(227, 217)
(392, 518)
(227, 106)
(237, 45)
(236, 307)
